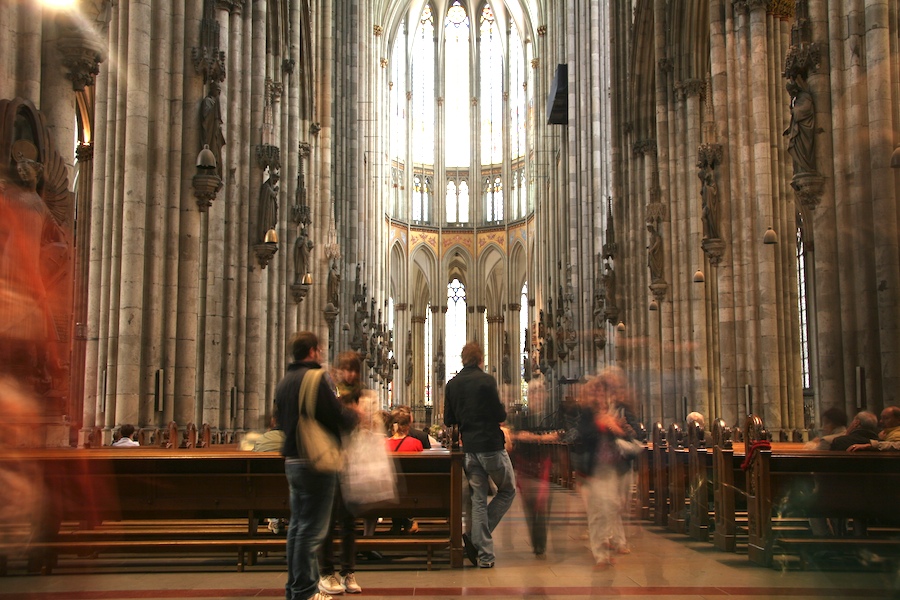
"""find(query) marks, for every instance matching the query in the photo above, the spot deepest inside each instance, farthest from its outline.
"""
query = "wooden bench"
(815, 484)
(677, 480)
(87, 490)
(659, 476)
(699, 477)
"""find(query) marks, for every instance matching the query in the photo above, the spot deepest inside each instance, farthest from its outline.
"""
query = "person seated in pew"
(694, 417)
(690, 419)
(415, 432)
(861, 430)
(126, 437)
(834, 424)
(271, 440)
(889, 437)
(401, 441)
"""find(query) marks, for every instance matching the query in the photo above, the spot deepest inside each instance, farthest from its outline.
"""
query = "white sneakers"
(349, 583)
(331, 584)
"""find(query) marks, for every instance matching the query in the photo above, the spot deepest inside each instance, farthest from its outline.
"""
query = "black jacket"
(329, 410)
(473, 402)
(857, 436)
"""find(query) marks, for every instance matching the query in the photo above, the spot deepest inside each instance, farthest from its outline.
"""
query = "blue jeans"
(482, 468)
(312, 494)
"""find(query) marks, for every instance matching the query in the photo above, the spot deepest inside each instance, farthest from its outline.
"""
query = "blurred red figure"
(33, 276)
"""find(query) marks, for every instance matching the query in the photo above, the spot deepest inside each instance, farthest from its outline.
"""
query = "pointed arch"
(643, 72)
(492, 267)
(422, 277)
(398, 269)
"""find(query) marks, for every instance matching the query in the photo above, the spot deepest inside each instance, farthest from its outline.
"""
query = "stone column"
(188, 374)
(882, 116)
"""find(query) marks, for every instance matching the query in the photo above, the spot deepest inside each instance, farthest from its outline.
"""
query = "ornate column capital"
(268, 156)
(692, 87)
(783, 9)
(758, 4)
(234, 7)
(709, 155)
(84, 152)
(81, 54)
(644, 147)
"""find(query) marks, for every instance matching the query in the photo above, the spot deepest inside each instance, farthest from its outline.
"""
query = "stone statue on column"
(211, 124)
(302, 248)
(409, 358)
(507, 376)
(334, 284)
(801, 132)
(440, 367)
(268, 206)
(655, 252)
(709, 195)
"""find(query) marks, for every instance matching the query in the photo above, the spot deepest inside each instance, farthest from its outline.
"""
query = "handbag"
(629, 448)
(320, 446)
(368, 476)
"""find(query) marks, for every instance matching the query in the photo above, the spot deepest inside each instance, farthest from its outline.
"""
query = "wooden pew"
(815, 484)
(659, 475)
(676, 464)
(699, 484)
(93, 488)
(729, 488)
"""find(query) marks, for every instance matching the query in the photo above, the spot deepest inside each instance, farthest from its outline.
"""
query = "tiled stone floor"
(662, 565)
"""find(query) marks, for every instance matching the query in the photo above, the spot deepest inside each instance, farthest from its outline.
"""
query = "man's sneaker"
(320, 596)
(349, 583)
(470, 549)
(486, 565)
(330, 584)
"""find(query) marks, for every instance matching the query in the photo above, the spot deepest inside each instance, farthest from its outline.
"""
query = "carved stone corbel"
(81, 54)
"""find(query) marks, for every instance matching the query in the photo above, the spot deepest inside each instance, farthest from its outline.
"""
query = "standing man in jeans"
(473, 402)
(312, 492)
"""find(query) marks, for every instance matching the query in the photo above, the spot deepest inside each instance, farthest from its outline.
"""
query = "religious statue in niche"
(359, 326)
(211, 124)
(655, 252)
(302, 247)
(507, 376)
(268, 205)
(440, 367)
(409, 358)
(334, 284)
(609, 284)
(801, 132)
(709, 195)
